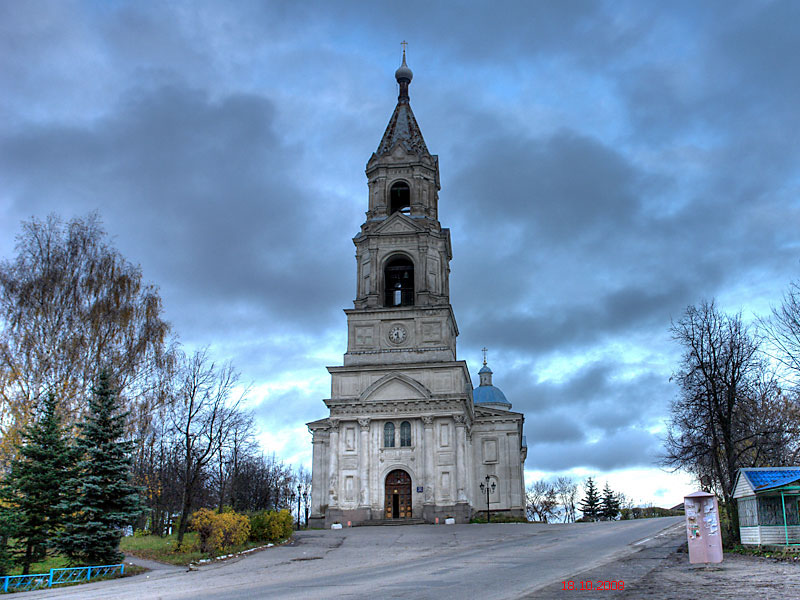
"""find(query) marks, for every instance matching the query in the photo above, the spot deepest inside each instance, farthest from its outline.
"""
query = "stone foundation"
(516, 513)
(316, 522)
(461, 512)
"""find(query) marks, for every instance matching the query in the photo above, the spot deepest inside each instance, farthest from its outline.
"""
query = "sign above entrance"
(419, 489)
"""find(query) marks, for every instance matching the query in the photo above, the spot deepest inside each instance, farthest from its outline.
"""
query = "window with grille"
(388, 435)
(405, 433)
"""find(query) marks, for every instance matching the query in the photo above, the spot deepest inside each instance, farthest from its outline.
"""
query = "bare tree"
(541, 501)
(717, 424)
(199, 416)
(235, 442)
(263, 482)
(69, 305)
(782, 329)
(567, 492)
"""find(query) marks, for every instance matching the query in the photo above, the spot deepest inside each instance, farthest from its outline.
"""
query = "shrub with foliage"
(270, 526)
(220, 531)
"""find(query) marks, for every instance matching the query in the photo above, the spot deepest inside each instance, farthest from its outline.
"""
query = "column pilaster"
(427, 422)
(461, 473)
(363, 462)
(333, 464)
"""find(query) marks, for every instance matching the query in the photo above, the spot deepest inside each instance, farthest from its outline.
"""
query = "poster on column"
(702, 528)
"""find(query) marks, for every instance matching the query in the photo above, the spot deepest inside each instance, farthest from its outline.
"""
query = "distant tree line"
(557, 500)
(77, 326)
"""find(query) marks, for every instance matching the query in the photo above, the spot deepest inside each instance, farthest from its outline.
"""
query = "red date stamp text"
(598, 586)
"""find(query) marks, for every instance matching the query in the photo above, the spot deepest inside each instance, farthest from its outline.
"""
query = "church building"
(408, 437)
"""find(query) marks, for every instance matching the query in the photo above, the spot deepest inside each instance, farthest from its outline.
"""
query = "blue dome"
(485, 369)
(488, 394)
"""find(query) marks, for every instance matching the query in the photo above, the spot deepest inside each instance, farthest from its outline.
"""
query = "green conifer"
(105, 502)
(6, 531)
(590, 505)
(609, 504)
(35, 487)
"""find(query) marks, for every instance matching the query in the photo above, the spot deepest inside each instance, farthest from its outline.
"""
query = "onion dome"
(403, 72)
(487, 394)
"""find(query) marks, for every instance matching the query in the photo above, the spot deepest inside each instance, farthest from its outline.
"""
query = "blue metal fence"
(22, 583)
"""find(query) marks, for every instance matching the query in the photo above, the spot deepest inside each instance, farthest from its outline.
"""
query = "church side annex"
(407, 436)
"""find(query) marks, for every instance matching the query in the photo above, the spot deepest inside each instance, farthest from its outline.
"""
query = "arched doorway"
(398, 495)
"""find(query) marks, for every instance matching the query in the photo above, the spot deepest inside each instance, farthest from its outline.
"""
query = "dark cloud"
(206, 195)
(624, 449)
(604, 165)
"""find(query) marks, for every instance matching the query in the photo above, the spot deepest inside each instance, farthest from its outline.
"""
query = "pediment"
(399, 150)
(398, 223)
(396, 386)
(488, 411)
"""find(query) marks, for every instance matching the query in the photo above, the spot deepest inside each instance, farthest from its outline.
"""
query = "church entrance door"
(398, 495)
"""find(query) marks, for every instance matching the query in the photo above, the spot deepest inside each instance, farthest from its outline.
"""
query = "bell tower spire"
(403, 75)
(403, 253)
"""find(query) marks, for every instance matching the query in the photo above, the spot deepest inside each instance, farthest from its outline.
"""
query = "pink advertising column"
(702, 528)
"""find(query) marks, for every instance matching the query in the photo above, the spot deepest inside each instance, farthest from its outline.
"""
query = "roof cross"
(484, 350)
(404, 44)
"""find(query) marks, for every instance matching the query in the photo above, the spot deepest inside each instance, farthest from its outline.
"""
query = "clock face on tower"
(397, 334)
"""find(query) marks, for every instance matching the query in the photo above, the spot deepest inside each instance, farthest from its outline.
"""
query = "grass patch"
(54, 561)
(500, 519)
(131, 570)
(776, 553)
(164, 549)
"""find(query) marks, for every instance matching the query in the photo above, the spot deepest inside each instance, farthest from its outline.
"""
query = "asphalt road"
(416, 561)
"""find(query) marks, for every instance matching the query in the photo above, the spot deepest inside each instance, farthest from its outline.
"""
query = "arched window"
(399, 279)
(388, 435)
(405, 433)
(400, 198)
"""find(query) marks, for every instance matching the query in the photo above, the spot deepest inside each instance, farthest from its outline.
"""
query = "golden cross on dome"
(484, 350)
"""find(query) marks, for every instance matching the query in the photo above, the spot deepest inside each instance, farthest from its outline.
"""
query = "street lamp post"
(305, 505)
(291, 502)
(488, 489)
(299, 487)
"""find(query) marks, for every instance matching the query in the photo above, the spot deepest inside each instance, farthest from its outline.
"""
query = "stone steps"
(390, 522)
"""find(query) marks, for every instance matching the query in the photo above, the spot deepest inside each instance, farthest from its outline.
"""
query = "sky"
(603, 165)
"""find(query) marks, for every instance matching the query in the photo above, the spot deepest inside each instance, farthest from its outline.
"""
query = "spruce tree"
(6, 531)
(609, 504)
(35, 487)
(105, 501)
(590, 505)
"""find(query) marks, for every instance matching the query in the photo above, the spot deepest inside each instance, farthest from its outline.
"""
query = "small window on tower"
(399, 281)
(405, 433)
(400, 198)
(388, 435)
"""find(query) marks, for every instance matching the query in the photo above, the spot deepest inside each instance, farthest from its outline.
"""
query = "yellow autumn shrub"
(271, 526)
(220, 532)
